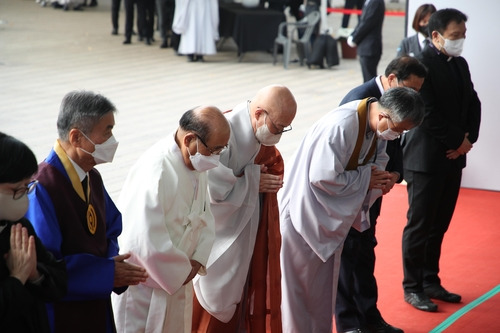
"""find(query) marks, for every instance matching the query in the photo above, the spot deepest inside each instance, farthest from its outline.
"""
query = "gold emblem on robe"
(91, 219)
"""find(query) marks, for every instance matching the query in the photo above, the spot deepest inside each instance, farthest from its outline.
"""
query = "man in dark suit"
(434, 156)
(367, 36)
(357, 294)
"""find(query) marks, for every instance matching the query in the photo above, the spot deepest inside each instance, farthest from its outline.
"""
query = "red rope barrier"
(358, 11)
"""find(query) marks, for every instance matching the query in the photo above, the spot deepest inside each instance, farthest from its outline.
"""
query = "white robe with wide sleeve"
(319, 203)
(234, 195)
(323, 198)
(166, 223)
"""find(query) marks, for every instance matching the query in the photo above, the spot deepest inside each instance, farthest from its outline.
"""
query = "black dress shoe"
(114, 31)
(420, 301)
(127, 41)
(56, 5)
(93, 3)
(148, 41)
(78, 7)
(164, 44)
(192, 58)
(380, 326)
(442, 294)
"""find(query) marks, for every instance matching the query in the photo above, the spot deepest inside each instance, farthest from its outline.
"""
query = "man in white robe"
(234, 189)
(197, 21)
(322, 199)
(168, 224)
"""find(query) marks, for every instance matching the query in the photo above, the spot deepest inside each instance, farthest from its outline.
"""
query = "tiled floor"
(44, 53)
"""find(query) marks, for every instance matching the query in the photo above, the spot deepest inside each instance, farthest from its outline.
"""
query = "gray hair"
(402, 103)
(81, 110)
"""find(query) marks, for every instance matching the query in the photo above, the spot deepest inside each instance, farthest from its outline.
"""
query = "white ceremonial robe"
(234, 195)
(319, 203)
(166, 223)
(197, 21)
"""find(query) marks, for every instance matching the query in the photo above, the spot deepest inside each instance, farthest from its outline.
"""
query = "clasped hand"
(21, 259)
(269, 182)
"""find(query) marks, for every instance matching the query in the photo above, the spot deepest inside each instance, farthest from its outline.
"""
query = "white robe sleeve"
(147, 198)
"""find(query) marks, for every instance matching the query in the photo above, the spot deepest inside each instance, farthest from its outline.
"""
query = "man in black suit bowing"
(357, 293)
(434, 156)
(367, 36)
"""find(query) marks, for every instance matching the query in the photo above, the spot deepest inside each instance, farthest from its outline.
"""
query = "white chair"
(286, 37)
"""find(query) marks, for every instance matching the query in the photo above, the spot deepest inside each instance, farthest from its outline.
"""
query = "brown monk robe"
(259, 299)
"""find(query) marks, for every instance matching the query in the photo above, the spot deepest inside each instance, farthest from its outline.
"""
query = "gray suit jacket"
(409, 46)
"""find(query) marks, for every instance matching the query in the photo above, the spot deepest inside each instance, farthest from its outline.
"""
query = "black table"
(253, 29)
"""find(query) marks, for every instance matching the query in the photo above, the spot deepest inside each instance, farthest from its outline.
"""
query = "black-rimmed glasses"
(213, 151)
(20, 192)
(278, 132)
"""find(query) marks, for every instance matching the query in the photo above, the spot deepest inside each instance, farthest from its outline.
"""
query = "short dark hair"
(422, 11)
(405, 66)
(17, 161)
(403, 103)
(440, 19)
(82, 110)
(192, 122)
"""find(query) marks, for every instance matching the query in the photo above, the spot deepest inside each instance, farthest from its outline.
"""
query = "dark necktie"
(85, 185)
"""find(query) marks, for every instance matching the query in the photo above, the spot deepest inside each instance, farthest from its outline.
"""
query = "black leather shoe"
(164, 44)
(420, 301)
(127, 41)
(114, 31)
(148, 41)
(442, 294)
(381, 326)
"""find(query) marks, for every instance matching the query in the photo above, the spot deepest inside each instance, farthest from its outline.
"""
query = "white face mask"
(104, 152)
(264, 135)
(454, 47)
(201, 162)
(12, 210)
(388, 134)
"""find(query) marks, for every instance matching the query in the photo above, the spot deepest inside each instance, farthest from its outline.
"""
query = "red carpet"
(470, 265)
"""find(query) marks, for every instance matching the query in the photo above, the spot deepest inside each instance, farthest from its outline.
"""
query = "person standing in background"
(165, 10)
(197, 21)
(351, 4)
(367, 37)
(413, 45)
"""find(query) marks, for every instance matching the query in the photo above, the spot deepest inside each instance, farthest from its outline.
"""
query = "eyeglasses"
(283, 130)
(393, 129)
(20, 192)
(214, 151)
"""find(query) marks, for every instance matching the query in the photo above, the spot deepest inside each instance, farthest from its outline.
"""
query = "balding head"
(204, 129)
(274, 106)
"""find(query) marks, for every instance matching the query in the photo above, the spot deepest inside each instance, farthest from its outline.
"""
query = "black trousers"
(165, 10)
(357, 291)
(432, 198)
(145, 17)
(115, 11)
(369, 66)
(350, 4)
